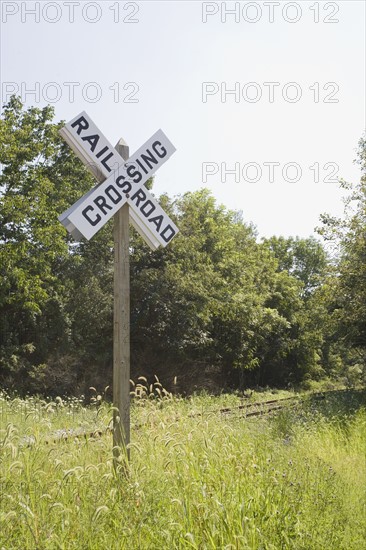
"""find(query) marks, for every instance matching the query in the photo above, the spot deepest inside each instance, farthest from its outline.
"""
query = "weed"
(293, 481)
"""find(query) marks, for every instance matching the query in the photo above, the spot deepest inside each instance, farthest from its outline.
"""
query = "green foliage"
(346, 286)
(216, 296)
(40, 178)
(304, 259)
(293, 481)
(215, 304)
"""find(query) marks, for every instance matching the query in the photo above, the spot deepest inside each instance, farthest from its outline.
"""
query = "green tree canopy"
(215, 298)
(346, 294)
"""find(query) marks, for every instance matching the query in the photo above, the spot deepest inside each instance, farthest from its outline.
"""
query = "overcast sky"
(264, 101)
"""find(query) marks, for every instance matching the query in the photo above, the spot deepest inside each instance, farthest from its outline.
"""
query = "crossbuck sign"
(119, 193)
(119, 182)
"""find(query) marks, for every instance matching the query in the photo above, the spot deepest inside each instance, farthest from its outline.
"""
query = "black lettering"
(102, 204)
(162, 153)
(104, 162)
(85, 214)
(117, 196)
(169, 237)
(140, 195)
(93, 140)
(141, 166)
(152, 208)
(157, 220)
(82, 124)
(124, 185)
(133, 173)
(102, 151)
(149, 159)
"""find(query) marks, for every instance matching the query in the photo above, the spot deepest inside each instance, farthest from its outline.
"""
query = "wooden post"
(121, 330)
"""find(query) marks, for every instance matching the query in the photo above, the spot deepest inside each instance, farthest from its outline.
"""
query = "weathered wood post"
(121, 327)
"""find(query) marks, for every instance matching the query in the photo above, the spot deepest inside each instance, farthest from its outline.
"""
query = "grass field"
(198, 479)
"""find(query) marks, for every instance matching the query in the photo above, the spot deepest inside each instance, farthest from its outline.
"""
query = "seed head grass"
(295, 480)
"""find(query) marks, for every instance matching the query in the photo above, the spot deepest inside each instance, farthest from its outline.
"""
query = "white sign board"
(123, 184)
(90, 145)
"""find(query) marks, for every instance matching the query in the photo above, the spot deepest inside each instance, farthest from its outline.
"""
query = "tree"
(304, 259)
(215, 301)
(39, 179)
(216, 296)
(347, 297)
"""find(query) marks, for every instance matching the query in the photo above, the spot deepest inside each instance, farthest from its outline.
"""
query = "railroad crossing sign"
(119, 193)
(120, 182)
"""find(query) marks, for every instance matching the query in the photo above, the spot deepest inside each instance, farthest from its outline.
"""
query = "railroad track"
(246, 410)
(257, 408)
(65, 435)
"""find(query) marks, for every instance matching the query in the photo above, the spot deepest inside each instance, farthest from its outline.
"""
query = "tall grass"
(296, 480)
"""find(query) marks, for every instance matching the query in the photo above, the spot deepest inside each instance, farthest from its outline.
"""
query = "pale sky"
(140, 66)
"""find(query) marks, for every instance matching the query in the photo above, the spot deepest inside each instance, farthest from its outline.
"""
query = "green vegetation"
(207, 480)
(216, 309)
